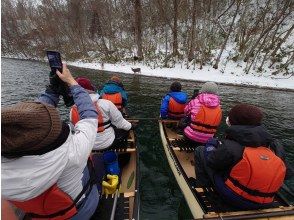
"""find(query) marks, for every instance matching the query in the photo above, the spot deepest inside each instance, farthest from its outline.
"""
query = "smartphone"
(54, 59)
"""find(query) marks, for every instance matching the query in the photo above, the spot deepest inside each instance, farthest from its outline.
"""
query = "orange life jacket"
(175, 109)
(54, 203)
(115, 98)
(75, 117)
(258, 175)
(206, 120)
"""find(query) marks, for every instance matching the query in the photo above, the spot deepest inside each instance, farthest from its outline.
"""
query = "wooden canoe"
(204, 202)
(127, 201)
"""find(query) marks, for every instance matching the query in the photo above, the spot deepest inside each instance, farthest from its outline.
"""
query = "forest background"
(254, 34)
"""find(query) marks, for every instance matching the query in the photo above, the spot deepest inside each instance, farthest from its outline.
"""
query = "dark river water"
(160, 197)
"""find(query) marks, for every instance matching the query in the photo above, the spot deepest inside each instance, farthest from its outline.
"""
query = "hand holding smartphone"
(54, 59)
(56, 83)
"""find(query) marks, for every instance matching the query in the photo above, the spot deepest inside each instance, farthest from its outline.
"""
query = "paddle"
(286, 189)
(114, 205)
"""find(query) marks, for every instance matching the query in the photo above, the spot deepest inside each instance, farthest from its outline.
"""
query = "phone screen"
(54, 60)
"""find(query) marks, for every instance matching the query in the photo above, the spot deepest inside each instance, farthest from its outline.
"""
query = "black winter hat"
(244, 114)
(176, 87)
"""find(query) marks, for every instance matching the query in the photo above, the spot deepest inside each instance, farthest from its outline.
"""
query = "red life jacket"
(258, 175)
(115, 98)
(75, 117)
(175, 109)
(206, 120)
(8, 211)
(54, 204)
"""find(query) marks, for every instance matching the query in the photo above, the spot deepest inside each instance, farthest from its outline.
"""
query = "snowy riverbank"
(230, 74)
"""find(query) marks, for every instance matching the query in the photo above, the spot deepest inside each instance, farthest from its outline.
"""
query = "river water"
(161, 197)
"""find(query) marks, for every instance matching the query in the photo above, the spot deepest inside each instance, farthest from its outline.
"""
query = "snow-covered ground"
(230, 73)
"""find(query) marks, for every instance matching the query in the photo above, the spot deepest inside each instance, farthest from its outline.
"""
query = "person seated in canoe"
(247, 168)
(114, 91)
(174, 102)
(45, 171)
(108, 117)
(204, 113)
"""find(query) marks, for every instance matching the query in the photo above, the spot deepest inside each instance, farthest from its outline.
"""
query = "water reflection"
(160, 195)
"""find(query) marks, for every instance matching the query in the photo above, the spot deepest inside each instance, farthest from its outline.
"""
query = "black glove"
(60, 87)
(134, 125)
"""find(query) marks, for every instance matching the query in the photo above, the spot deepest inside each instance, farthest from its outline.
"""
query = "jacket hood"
(112, 87)
(253, 136)
(180, 97)
(209, 100)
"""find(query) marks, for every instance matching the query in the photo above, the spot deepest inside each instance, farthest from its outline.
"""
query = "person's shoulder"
(105, 102)
(167, 97)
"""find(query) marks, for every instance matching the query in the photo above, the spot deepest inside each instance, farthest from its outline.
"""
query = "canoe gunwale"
(176, 167)
(282, 212)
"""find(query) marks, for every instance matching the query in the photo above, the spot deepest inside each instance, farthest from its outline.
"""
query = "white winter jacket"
(110, 113)
(27, 177)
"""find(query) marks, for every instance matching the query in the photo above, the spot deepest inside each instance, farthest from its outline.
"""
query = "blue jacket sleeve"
(164, 107)
(49, 97)
(83, 102)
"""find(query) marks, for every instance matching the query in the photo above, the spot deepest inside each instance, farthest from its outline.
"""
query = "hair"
(176, 87)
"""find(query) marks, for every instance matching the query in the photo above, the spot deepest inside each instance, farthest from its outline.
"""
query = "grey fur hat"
(209, 87)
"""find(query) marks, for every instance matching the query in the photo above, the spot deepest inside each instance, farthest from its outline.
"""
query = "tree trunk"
(175, 29)
(138, 28)
(282, 41)
(192, 40)
(265, 31)
(96, 28)
(215, 66)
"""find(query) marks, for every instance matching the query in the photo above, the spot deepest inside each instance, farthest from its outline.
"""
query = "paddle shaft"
(286, 189)
(114, 205)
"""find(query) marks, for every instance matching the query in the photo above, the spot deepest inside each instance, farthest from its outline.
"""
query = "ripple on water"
(160, 194)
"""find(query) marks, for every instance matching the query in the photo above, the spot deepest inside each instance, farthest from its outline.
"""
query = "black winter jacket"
(230, 151)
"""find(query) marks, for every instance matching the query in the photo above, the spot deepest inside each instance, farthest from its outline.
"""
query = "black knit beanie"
(175, 87)
(244, 114)
(28, 126)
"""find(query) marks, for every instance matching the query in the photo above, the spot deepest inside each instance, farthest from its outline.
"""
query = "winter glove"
(110, 186)
(210, 146)
(57, 86)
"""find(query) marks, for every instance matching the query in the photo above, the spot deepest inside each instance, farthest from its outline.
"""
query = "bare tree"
(238, 3)
(138, 27)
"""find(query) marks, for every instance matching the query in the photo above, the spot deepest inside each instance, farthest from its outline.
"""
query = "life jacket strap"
(204, 125)
(104, 123)
(201, 131)
(88, 185)
(108, 123)
(176, 113)
(250, 191)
